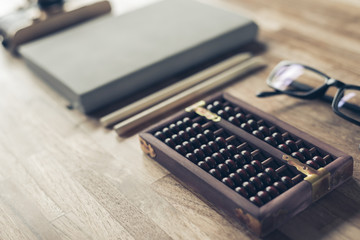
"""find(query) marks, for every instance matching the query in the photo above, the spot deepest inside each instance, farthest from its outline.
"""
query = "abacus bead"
(234, 120)
(264, 178)
(265, 130)
(242, 191)
(272, 173)
(235, 178)
(284, 148)
(253, 123)
(191, 157)
(206, 149)
(217, 104)
(190, 131)
(202, 138)
(280, 186)
(170, 142)
(256, 182)
(184, 135)
(241, 117)
(257, 165)
(298, 156)
(203, 165)
(199, 154)
(224, 169)
(215, 173)
(292, 145)
(273, 192)
(210, 161)
(229, 110)
(258, 134)
(249, 169)
(194, 142)
(221, 141)
(197, 127)
(187, 121)
(320, 161)
(312, 164)
(188, 146)
(271, 140)
(176, 138)
(231, 164)
(174, 128)
(232, 149)
(167, 132)
(278, 137)
(160, 135)
(247, 155)
(243, 174)
(256, 200)
(225, 153)
(239, 160)
(246, 127)
(181, 125)
(213, 145)
(218, 157)
(264, 196)
(304, 151)
(250, 188)
(228, 182)
(209, 135)
(180, 149)
(222, 114)
(287, 181)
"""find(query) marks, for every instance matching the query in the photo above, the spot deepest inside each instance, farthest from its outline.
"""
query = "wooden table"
(63, 176)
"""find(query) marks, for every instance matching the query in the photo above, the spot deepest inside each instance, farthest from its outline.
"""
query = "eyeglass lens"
(350, 97)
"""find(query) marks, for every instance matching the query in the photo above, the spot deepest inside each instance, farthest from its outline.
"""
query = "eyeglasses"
(301, 81)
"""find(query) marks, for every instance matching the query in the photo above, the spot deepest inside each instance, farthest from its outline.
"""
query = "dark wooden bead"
(246, 127)
(272, 191)
(280, 186)
(256, 200)
(199, 154)
(225, 153)
(203, 165)
(194, 142)
(278, 137)
(224, 169)
(236, 178)
(298, 156)
(215, 173)
(307, 154)
(284, 148)
(271, 140)
(167, 131)
(265, 130)
(176, 138)
(180, 149)
(234, 121)
(257, 183)
(320, 161)
(217, 104)
(197, 127)
(202, 138)
(243, 174)
(229, 110)
(287, 181)
(222, 114)
(250, 188)
(228, 182)
(264, 178)
(312, 164)
(239, 160)
(272, 173)
(253, 124)
(221, 142)
(231, 164)
(249, 169)
(214, 146)
(241, 117)
(187, 121)
(188, 146)
(190, 131)
(210, 161)
(232, 149)
(218, 157)
(209, 135)
(170, 142)
(242, 191)
(264, 196)
(211, 108)
(160, 135)
(257, 165)
(192, 157)
(181, 125)
(292, 145)
(174, 128)
(247, 155)
(206, 149)
(258, 134)
(184, 135)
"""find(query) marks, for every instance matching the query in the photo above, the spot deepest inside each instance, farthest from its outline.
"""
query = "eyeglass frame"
(316, 92)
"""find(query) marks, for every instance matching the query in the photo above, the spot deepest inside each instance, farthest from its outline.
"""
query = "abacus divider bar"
(242, 146)
(281, 169)
(272, 129)
(298, 178)
(255, 152)
(267, 161)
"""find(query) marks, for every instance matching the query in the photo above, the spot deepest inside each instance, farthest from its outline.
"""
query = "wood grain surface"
(63, 176)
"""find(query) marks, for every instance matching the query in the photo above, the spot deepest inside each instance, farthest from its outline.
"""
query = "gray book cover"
(112, 57)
